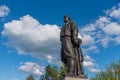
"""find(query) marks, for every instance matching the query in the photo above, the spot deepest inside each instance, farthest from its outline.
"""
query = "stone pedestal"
(74, 78)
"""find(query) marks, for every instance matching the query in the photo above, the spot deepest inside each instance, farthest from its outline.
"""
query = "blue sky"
(29, 38)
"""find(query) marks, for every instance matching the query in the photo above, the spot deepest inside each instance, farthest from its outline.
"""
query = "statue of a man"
(71, 54)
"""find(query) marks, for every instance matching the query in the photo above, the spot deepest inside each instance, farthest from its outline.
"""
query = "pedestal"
(74, 78)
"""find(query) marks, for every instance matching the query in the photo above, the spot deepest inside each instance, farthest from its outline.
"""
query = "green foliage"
(63, 71)
(54, 73)
(44, 77)
(112, 72)
(30, 77)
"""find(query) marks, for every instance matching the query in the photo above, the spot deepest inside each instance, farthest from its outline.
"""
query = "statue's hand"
(80, 41)
(77, 42)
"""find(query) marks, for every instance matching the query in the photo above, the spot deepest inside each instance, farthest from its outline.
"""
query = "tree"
(63, 71)
(112, 72)
(30, 77)
(54, 73)
(44, 77)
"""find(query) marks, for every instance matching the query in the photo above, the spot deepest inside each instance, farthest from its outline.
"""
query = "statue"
(71, 54)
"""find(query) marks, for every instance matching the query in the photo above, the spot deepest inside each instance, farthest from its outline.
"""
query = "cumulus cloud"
(28, 36)
(88, 58)
(112, 28)
(115, 13)
(94, 70)
(87, 40)
(101, 33)
(94, 34)
(89, 27)
(101, 22)
(32, 68)
(105, 42)
(4, 10)
(117, 39)
(90, 64)
(104, 29)
(92, 48)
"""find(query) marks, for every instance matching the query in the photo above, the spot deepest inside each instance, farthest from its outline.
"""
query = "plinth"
(75, 78)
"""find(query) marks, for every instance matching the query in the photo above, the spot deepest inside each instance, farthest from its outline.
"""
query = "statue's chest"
(67, 27)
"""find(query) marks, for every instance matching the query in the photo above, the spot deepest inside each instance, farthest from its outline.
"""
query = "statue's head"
(67, 18)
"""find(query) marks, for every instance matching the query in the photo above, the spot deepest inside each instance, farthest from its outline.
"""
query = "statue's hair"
(68, 17)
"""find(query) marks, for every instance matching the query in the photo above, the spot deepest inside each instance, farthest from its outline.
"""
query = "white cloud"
(28, 36)
(89, 27)
(49, 57)
(94, 70)
(88, 58)
(112, 29)
(117, 39)
(4, 10)
(105, 40)
(90, 64)
(87, 40)
(88, 61)
(100, 33)
(102, 21)
(92, 48)
(94, 33)
(32, 68)
(115, 13)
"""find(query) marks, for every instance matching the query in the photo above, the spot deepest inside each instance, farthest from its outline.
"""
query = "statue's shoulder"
(72, 23)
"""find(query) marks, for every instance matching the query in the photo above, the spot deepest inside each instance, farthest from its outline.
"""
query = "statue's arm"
(76, 41)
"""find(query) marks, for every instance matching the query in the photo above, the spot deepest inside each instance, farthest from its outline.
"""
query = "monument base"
(74, 78)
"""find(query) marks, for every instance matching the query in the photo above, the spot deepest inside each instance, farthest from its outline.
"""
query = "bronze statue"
(71, 54)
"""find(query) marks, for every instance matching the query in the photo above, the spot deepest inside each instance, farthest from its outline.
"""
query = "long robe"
(71, 47)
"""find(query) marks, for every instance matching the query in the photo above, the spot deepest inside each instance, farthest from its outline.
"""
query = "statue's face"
(66, 19)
